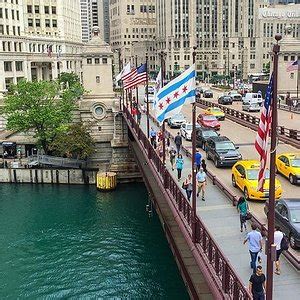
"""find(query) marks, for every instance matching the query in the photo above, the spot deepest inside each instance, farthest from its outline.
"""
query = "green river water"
(73, 242)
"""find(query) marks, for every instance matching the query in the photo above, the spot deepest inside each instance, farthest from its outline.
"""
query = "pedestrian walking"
(254, 240)
(198, 158)
(257, 284)
(178, 142)
(188, 186)
(203, 165)
(172, 153)
(179, 166)
(168, 148)
(242, 207)
(278, 236)
(201, 182)
(152, 136)
(138, 116)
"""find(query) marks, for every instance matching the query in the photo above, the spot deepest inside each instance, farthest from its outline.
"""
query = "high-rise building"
(104, 23)
(227, 33)
(38, 40)
(133, 26)
(86, 19)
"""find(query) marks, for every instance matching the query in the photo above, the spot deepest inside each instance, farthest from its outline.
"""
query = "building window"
(30, 22)
(7, 66)
(37, 22)
(36, 9)
(292, 75)
(252, 66)
(1, 13)
(8, 82)
(285, 58)
(53, 9)
(47, 22)
(89, 61)
(46, 9)
(29, 9)
(54, 23)
(97, 61)
(97, 81)
(19, 66)
(1, 29)
(104, 60)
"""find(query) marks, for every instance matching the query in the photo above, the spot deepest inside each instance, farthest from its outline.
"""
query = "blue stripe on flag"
(175, 105)
(176, 85)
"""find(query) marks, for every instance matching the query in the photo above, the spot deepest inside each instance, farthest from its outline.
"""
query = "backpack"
(284, 244)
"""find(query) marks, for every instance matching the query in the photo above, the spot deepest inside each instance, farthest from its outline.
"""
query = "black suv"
(222, 151)
(203, 134)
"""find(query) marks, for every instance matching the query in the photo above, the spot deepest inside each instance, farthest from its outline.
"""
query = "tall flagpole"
(137, 89)
(147, 97)
(271, 247)
(162, 66)
(194, 169)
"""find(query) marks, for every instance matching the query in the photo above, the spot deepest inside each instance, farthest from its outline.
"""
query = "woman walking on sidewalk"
(188, 186)
(242, 207)
(179, 166)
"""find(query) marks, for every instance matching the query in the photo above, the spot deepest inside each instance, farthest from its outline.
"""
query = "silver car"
(176, 120)
(186, 130)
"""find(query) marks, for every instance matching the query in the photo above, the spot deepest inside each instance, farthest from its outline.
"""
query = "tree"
(43, 107)
(76, 142)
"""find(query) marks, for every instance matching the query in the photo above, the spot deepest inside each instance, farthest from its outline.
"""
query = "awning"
(8, 144)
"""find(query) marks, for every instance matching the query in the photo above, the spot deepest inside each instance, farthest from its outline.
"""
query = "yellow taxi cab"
(245, 177)
(288, 164)
(216, 111)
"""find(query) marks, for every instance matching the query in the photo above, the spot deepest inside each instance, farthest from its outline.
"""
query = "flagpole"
(162, 66)
(271, 247)
(137, 89)
(194, 198)
(298, 62)
(147, 97)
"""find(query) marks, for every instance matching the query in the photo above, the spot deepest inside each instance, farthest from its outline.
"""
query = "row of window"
(14, 30)
(12, 1)
(143, 9)
(8, 66)
(89, 60)
(11, 46)
(38, 23)
(4, 13)
(37, 9)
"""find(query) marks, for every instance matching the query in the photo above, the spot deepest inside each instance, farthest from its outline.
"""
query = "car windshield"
(208, 91)
(295, 215)
(216, 109)
(225, 146)
(253, 174)
(227, 98)
(209, 118)
(209, 133)
(189, 127)
(295, 162)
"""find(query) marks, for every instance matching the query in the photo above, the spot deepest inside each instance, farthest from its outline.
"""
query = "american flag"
(293, 66)
(262, 138)
(135, 77)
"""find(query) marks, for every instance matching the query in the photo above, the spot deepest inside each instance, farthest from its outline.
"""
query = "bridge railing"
(228, 280)
(287, 135)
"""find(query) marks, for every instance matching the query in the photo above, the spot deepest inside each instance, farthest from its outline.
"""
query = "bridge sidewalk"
(222, 220)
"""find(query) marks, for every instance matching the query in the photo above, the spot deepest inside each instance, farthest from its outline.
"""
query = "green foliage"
(71, 81)
(76, 142)
(40, 106)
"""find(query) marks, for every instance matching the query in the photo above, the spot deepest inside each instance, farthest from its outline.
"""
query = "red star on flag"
(176, 94)
(160, 106)
(168, 100)
(184, 89)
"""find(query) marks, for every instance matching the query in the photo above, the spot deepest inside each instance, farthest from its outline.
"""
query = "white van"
(252, 102)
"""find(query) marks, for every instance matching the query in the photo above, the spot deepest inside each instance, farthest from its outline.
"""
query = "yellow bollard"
(106, 181)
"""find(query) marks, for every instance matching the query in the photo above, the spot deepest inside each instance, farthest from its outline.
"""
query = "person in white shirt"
(278, 236)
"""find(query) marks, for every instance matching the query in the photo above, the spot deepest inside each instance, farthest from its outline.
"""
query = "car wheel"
(217, 165)
(207, 156)
(233, 181)
(246, 194)
(292, 241)
(291, 179)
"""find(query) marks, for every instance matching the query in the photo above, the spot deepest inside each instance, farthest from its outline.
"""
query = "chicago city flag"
(171, 98)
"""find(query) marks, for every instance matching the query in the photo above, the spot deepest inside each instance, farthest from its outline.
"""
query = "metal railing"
(55, 161)
(287, 135)
(228, 280)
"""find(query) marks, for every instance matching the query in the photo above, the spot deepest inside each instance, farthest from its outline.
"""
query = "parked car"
(208, 94)
(215, 111)
(151, 91)
(209, 121)
(203, 134)
(235, 96)
(222, 151)
(199, 91)
(288, 164)
(186, 130)
(176, 120)
(287, 217)
(225, 100)
(245, 177)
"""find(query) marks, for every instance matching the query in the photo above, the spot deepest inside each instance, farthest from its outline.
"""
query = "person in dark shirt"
(198, 158)
(257, 284)
(203, 165)
(178, 142)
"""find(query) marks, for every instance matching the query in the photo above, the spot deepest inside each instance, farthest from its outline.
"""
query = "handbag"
(184, 186)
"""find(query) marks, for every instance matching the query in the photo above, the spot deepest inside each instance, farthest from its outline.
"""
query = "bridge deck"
(222, 220)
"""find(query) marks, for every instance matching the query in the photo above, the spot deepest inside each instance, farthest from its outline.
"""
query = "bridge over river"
(219, 252)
